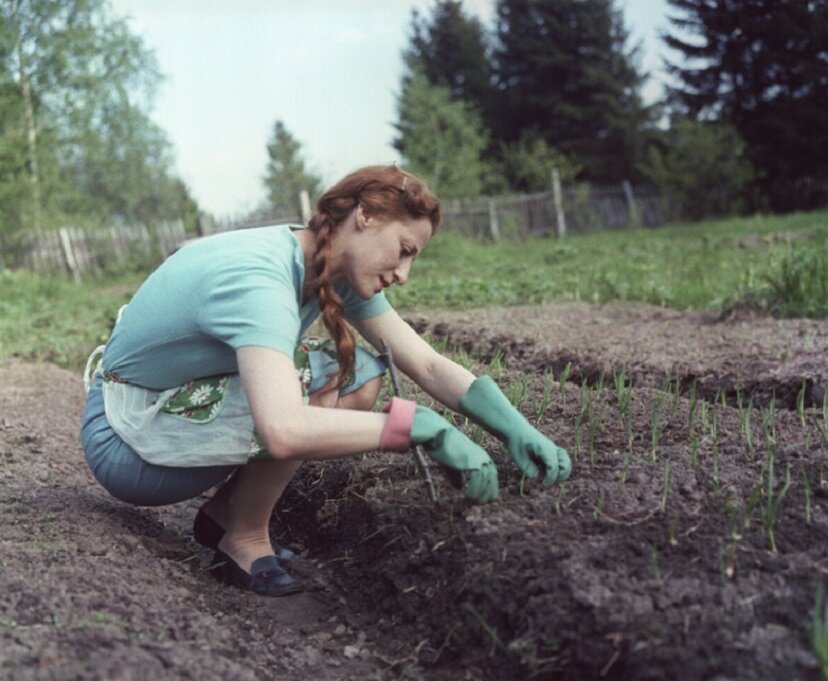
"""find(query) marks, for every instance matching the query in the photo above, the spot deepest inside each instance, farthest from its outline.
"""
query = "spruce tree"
(565, 72)
(762, 66)
(450, 49)
(287, 175)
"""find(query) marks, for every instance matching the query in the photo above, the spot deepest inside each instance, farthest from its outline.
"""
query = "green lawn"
(56, 319)
(689, 266)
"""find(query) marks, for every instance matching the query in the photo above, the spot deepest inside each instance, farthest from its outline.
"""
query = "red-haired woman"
(197, 386)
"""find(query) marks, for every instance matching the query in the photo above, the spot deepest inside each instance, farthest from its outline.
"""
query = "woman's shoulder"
(261, 233)
(270, 241)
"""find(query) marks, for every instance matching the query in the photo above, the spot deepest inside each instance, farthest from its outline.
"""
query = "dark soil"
(653, 562)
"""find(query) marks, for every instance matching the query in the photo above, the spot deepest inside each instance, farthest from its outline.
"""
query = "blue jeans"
(126, 475)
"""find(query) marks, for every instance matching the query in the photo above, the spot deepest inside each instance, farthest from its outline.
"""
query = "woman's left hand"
(536, 454)
(532, 451)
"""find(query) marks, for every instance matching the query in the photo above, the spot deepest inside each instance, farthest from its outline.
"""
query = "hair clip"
(404, 182)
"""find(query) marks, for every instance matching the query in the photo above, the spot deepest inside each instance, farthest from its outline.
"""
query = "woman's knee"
(364, 398)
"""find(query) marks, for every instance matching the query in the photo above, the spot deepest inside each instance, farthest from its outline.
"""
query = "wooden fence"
(83, 253)
(577, 209)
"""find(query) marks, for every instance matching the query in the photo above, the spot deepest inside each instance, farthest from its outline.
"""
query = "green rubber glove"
(487, 405)
(457, 454)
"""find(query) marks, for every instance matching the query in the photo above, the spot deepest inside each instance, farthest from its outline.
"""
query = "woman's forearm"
(443, 379)
(310, 432)
(289, 429)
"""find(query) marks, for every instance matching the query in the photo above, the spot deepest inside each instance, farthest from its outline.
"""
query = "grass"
(818, 631)
(55, 319)
(685, 266)
(797, 286)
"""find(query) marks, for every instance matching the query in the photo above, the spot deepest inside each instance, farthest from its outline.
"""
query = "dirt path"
(652, 562)
(91, 588)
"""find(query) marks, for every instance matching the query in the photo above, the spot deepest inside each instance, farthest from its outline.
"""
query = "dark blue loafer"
(208, 533)
(267, 577)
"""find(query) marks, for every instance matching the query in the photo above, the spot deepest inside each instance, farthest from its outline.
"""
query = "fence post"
(494, 227)
(37, 252)
(304, 203)
(631, 207)
(117, 243)
(69, 254)
(557, 197)
(204, 225)
(80, 247)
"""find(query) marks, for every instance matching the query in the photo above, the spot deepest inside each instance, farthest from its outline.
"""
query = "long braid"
(385, 192)
(330, 304)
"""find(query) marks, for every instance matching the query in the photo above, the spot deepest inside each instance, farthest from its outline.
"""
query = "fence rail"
(582, 209)
(82, 253)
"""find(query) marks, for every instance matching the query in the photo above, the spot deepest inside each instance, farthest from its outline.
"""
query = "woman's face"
(374, 253)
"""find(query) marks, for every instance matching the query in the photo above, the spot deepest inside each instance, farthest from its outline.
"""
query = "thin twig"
(418, 452)
(490, 630)
(631, 521)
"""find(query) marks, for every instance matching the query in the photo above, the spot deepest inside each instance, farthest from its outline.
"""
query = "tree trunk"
(31, 127)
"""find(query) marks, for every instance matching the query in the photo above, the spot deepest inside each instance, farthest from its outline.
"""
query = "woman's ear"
(362, 219)
(359, 217)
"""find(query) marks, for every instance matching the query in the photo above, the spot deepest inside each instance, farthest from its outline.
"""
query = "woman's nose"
(401, 273)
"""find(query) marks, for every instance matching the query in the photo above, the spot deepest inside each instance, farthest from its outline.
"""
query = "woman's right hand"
(466, 464)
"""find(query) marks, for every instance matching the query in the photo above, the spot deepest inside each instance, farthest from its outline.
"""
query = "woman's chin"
(367, 293)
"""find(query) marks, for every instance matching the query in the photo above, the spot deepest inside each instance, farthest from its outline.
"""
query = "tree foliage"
(286, 175)
(526, 165)
(76, 140)
(450, 49)
(761, 66)
(554, 82)
(700, 167)
(441, 139)
(565, 73)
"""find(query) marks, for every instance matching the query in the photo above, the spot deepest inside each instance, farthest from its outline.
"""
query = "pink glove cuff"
(396, 435)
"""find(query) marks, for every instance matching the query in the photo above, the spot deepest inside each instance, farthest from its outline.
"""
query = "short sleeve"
(357, 309)
(256, 305)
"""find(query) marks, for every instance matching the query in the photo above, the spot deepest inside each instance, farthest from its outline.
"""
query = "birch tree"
(76, 89)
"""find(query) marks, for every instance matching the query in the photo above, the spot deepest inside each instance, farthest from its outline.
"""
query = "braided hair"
(386, 192)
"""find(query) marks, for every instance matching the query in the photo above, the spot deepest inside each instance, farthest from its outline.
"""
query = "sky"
(328, 69)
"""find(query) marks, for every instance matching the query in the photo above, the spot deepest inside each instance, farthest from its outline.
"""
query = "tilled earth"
(689, 542)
